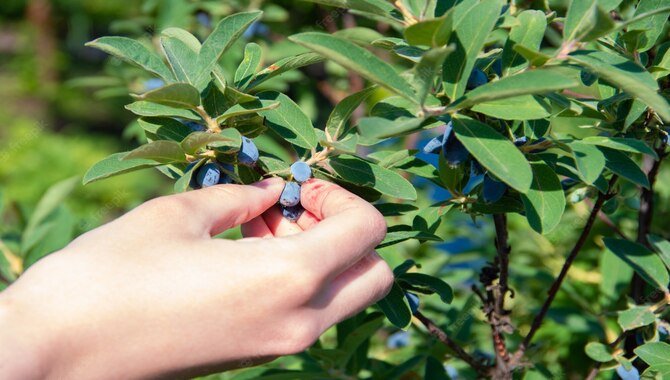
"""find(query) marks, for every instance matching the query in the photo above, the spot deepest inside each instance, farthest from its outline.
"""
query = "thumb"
(217, 208)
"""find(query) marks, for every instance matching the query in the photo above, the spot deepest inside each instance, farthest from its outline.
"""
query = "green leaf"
(545, 201)
(428, 67)
(654, 353)
(622, 165)
(288, 120)
(622, 143)
(133, 52)
(651, 27)
(144, 108)
(282, 66)
(338, 118)
(662, 247)
(164, 128)
(473, 20)
(435, 370)
(529, 32)
(626, 75)
(380, 128)
(617, 278)
(177, 95)
(539, 81)
(374, 7)
(52, 198)
(184, 36)
(358, 337)
(58, 232)
(254, 106)
(229, 138)
(396, 308)
(428, 283)
(494, 152)
(395, 237)
(355, 170)
(434, 32)
(645, 262)
(181, 58)
(598, 352)
(357, 59)
(589, 160)
(184, 181)
(586, 21)
(249, 64)
(226, 32)
(162, 151)
(524, 107)
(635, 317)
(113, 165)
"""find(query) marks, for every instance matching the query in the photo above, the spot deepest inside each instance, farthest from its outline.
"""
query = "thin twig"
(442, 336)
(606, 219)
(502, 245)
(537, 322)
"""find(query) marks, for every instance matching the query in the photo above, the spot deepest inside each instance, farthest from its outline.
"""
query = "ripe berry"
(194, 181)
(292, 213)
(195, 127)
(492, 190)
(453, 150)
(568, 183)
(248, 154)
(290, 196)
(477, 78)
(587, 77)
(413, 301)
(433, 146)
(398, 340)
(225, 178)
(521, 141)
(208, 175)
(153, 83)
(301, 171)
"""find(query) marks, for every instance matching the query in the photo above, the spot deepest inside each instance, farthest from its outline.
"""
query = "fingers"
(348, 229)
(256, 227)
(279, 225)
(363, 284)
(212, 210)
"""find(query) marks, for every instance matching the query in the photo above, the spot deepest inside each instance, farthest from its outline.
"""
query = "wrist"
(23, 349)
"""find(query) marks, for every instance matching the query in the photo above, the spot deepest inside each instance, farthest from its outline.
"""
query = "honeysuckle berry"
(433, 146)
(625, 374)
(248, 154)
(153, 83)
(292, 213)
(301, 171)
(194, 181)
(477, 78)
(290, 196)
(413, 301)
(398, 340)
(453, 150)
(492, 190)
(208, 175)
(225, 178)
(195, 127)
(523, 140)
(588, 78)
(568, 183)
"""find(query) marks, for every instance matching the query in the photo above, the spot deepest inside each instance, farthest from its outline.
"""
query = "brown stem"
(502, 245)
(442, 336)
(606, 219)
(537, 322)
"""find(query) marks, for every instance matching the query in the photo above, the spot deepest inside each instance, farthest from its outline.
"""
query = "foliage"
(551, 120)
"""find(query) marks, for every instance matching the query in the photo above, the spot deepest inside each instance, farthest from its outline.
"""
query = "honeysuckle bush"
(542, 122)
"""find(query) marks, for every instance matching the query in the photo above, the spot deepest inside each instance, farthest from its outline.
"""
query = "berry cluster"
(290, 196)
(216, 172)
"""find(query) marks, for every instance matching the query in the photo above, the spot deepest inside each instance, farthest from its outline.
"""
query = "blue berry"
(477, 78)
(204, 19)
(632, 374)
(476, 168)
(453, 150)
(301, 171)
(433, 146)
(523, 140)
(195, 127)
(292, 213)
(153, 83)
(248, 154)
(194, 181)
(290, 196)
(492, 190)
(587, 77)
(208, 175)
(413, 301)
(225, 178)
(398, 340)
(568, 183)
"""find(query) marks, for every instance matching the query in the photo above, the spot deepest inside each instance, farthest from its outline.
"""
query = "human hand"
(151, 294)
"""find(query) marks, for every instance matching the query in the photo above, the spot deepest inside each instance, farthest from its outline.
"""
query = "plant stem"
(497, 314)
(502, 245)
(442, 336)
(537, 322)
(212, 125)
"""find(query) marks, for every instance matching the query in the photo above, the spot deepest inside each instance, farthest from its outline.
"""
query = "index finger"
(349, 227)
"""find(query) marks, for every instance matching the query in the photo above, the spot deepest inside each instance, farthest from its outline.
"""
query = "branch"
(502, 245)
(537, 322)
(442, 336)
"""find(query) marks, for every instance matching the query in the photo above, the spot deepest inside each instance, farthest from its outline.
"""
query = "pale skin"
(153, 295)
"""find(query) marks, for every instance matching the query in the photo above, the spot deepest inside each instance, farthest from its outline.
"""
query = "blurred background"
(61, 107)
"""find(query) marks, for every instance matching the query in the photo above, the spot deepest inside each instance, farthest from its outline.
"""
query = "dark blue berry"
(301, 171)
(290, 196)
(292, 213)
(453, 150)
(413, 301)
(195, 127)
(477, 78)
(433, 146)
(248, 154)
(398, 340)
(476, 167)
(568, 183)
(194, 181)
(587, 77)
(204, 19)
(523, 140)
(225, 178)
(208, 175)
(492, 190)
